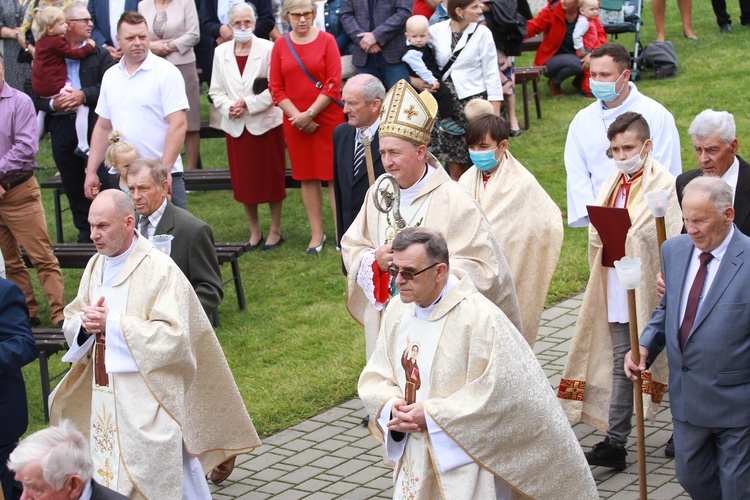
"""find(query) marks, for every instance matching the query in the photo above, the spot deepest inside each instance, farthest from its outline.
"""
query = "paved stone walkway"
(333, 456)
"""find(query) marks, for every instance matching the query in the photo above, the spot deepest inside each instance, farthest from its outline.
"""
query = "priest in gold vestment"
(526, 222)
(594, 388)
(485, 423)
(428, 198)
(148, 373)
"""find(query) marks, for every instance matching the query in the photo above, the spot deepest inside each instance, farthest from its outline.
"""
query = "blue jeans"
(179, 197)
(388, 73)
(562, 66)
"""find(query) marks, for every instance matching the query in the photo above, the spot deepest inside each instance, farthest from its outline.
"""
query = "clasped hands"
(162, 48)
(94, 317)
(237, 110)
(407, 418)
(305, 123)
(368, 43)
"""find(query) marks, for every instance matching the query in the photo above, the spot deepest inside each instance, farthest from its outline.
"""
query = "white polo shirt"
(138, 104)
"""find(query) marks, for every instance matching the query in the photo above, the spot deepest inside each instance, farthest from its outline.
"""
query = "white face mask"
(242, 36)
(631, 165)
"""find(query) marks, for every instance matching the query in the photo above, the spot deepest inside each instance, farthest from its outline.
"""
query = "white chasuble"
(487, 394)
(458, 477)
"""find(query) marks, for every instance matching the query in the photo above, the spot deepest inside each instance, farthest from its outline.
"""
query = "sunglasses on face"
(407, 275)
(296, 15)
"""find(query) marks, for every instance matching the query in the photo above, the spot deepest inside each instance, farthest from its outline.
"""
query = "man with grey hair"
(143, 349)
(193, 244)
(439, 387)
(715, 143)
(363, 96)
(56, 463)
(704, 323)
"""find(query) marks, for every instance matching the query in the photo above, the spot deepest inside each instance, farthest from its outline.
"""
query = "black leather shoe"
(257, 245)
(268, 248)
(669, 449)
(606, 454)
(726, 28)
(366, 421)
(515, 133)
(34, 322)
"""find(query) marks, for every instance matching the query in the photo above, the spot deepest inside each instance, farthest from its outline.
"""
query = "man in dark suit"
(703, 320)
(715, 143)
(193, 244)
(87, 82)
(363, 96)
(104, 31)
(60, 455)
(17, 349)
(377, 32)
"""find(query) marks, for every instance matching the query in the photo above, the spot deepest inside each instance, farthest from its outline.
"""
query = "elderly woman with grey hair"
(255, 138)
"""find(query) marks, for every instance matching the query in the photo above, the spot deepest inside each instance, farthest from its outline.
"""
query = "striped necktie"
(359, 157)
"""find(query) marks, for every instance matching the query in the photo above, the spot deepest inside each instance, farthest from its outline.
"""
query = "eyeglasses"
(407, 275)
(82, 20)
(296, 15)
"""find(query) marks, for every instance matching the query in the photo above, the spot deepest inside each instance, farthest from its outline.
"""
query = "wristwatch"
(310, 113)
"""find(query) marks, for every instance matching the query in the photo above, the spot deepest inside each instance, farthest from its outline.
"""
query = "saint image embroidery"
(411, 371)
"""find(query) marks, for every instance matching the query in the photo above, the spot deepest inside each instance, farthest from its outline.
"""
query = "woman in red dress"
(311, 114)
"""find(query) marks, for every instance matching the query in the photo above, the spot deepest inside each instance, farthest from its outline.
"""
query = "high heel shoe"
(316, 250)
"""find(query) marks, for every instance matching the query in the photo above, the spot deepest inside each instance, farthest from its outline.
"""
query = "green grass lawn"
(296, 351)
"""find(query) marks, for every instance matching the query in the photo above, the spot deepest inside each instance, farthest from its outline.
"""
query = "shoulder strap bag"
(318, 85)
(446, 69)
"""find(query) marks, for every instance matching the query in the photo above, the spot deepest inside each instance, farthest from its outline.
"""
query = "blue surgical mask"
(605, 91)
(483, 160)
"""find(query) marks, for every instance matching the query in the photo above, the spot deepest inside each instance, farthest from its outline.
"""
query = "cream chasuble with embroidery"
(166, 371)
(586, 386)
(529, 228)
(495, 427)
(452, 212)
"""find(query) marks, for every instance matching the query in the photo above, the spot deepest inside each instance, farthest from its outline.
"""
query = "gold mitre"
(406, 114)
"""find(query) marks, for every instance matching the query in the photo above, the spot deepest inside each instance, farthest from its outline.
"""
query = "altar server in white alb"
(588, 160)
(148, 373)
(456, 395)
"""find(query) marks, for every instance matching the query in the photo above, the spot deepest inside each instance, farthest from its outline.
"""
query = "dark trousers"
(563, 66)
(11, 488)
(722, 16)
(72, 170)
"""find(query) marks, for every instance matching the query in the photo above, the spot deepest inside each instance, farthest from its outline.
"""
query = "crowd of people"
(438, 274)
